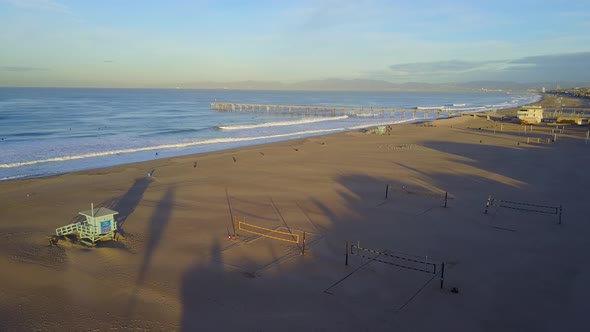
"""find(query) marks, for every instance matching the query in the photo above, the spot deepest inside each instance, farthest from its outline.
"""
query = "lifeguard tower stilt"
(99, 225)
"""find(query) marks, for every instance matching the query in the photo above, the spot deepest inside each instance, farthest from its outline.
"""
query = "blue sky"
(162, 43)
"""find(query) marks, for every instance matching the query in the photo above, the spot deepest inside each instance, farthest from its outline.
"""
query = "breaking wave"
(164, 147)
(283, 123)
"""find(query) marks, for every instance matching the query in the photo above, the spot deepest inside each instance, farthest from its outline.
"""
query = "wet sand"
(175, 267)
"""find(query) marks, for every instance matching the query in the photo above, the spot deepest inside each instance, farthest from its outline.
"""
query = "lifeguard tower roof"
(98, 212)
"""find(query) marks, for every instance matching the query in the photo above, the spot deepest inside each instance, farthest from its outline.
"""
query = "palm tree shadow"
(156, 228)
(198, 283)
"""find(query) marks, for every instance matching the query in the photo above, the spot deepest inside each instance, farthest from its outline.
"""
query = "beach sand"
(175, 267)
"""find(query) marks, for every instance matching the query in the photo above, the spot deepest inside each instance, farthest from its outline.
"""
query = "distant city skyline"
(111, 43)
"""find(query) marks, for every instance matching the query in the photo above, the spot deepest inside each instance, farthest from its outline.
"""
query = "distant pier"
(328, 110)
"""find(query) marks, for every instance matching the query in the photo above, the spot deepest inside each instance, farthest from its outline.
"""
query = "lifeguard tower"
(99, 225)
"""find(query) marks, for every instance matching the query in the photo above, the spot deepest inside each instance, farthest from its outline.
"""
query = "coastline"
(49, 165)
(174, 267)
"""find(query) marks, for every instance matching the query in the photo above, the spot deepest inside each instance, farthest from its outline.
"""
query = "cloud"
(556, 60)
(571, 67)
(563, 67)
(43, 5)
(21, 69)
(441, 67)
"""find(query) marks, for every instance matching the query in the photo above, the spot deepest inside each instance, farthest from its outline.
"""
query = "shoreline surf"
(164, 142)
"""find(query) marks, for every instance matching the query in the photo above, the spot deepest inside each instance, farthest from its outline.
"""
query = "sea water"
(51, 131)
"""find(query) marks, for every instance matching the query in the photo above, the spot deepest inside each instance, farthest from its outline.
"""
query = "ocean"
(48, 131)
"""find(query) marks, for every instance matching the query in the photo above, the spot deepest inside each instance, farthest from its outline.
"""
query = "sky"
(112, 43)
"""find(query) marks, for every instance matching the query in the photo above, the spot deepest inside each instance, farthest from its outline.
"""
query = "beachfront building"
(530, 114)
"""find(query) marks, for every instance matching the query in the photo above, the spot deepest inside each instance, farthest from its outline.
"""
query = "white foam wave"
(383, 124)
(429, 107)
(283, 123)
(362, 115)
(15, 177)
(164, 147)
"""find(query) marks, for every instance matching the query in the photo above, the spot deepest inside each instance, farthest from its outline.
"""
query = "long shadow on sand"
(127, 203)
(196, 282)
(508, 164)
(156, 227)
(215, 297)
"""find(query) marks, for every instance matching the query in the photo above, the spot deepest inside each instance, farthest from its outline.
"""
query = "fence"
(526, 207)
(416, 263)
(420, 193)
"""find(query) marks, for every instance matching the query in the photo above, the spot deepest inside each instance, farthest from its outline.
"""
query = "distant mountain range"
(376, 85)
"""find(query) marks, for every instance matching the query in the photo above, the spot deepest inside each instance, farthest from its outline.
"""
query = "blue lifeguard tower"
(99, 225)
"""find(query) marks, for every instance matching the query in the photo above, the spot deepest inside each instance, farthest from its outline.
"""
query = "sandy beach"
(175, 267)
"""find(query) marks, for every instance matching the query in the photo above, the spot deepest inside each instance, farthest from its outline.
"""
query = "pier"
(328, 110)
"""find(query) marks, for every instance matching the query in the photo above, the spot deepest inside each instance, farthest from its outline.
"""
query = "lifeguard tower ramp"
(99, 225)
